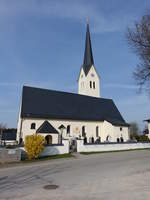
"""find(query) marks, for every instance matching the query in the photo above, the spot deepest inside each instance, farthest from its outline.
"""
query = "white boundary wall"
(109, 147)
(55, 149)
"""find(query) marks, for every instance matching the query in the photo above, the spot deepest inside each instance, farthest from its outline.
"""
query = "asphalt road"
(109, 176)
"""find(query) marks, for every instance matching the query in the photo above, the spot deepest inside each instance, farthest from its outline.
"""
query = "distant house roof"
(49, 104)
(9, 136)
(147, 120)
(46, 127)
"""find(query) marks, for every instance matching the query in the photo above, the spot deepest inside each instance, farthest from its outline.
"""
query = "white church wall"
(105, 128)
(108, 130)
(120, 131)
(84, 83)
(26, 129)
(110, 147)
(54, 149)
(75, 127)
(114, 132)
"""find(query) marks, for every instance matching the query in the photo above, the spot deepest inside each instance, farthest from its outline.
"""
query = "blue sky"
(42, 44)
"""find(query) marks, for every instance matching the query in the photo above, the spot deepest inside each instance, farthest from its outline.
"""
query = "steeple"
(89, 80)
(88, 55)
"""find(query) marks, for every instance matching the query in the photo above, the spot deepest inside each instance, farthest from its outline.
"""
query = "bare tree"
(2, 127)
(134, 130)
(139, 40)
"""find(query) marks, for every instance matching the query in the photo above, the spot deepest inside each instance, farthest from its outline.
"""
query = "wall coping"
(110, 143)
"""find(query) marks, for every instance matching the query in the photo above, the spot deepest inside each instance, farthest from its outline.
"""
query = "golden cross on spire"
(87, 20)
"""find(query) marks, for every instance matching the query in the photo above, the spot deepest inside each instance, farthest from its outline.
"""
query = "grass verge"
(26, 161)
(67, 155)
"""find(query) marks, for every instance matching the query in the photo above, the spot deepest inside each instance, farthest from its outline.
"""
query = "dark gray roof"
(50, 104)
(147, 120)
(62, 127)
(88, 55)
(46, 127)
(9, 136)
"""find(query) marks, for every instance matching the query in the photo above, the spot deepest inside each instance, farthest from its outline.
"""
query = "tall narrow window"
(68, 129)
(33, 126)
(90, 84)
(97, 131)
(83, 131)
(82, 84)
(94, 85)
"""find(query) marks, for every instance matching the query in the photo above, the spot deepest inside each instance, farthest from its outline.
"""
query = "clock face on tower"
(92, 75)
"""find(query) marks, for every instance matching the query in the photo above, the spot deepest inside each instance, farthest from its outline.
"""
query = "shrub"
(34, 145)
(142, 138)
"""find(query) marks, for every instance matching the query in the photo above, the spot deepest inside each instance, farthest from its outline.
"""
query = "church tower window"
(82, 85)
(90, 84)
(94, 85)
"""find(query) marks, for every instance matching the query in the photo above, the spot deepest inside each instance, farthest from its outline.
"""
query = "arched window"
(97, 131)
(68, 129)
(82, 84)
(94, 85)
(120, 128)
(83, 131)
(90, 84)
(48, 139)
(33, 126)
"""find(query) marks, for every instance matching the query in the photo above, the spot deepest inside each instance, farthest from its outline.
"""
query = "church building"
(57, 115)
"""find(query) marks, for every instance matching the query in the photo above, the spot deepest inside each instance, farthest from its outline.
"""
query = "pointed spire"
(88, 55)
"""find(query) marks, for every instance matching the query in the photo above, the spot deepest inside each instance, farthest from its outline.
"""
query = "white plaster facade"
(89, 85)
(105, 129)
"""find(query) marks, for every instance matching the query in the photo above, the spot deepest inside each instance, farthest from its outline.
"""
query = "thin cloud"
(135, 108)
(8, 84)
(41, 84)
(120, 86)
(136, 101)
(7, 111)
(74, 10)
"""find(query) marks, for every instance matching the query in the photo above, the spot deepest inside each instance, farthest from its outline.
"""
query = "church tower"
(88, 81)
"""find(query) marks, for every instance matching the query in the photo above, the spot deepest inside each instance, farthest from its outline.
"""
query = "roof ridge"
(76, 94)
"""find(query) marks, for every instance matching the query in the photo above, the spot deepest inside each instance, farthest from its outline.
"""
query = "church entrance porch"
(48, 139)
(49, 132)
